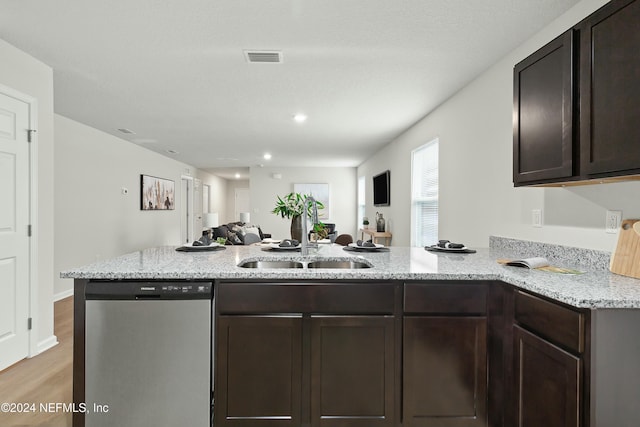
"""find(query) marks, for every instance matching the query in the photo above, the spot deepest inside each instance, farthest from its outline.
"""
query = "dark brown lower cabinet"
(445, 367)
(445, 371)
(548, 386)
(259, 371)
(261, 362)
(307, 354)
(352, 371)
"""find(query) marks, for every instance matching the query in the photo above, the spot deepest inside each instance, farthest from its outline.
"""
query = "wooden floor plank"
(45, 378)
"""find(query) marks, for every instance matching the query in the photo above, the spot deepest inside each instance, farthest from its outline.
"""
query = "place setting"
(283, 245)
(449, 247)
(204, 244)
(365, 246)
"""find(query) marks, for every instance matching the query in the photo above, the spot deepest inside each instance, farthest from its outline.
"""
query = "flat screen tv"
(381, 189)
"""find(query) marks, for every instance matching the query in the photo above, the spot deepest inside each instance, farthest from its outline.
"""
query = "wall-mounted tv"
(382, 189)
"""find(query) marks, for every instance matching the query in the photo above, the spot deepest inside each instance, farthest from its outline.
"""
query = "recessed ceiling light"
(267, 156)
(172, 151)
(127, 131)
(237, 176)
(300, 117)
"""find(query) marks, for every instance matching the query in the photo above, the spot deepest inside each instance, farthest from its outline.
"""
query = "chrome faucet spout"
(314, 220)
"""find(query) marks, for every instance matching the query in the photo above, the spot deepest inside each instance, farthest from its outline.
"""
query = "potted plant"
(320, 231)
(291, 207)
(365, 222)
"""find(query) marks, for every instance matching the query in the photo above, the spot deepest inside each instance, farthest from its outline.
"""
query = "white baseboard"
(46, 344)
(63, 295)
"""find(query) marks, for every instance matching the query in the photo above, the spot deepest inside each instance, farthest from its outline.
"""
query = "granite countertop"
(596, 288)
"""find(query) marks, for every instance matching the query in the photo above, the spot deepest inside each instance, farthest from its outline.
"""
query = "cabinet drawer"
(554, 322)
(304, 297)
(443, 298)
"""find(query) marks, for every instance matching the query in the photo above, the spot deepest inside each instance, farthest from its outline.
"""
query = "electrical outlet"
(536, 217)
(613, 221)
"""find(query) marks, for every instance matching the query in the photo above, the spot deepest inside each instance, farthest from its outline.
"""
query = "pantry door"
(14, 229)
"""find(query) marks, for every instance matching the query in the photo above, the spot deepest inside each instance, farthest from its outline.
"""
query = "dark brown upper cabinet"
(610, 90)
(577, 103)
(543, 136)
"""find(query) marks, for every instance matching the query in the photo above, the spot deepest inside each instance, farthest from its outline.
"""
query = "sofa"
(240, 233)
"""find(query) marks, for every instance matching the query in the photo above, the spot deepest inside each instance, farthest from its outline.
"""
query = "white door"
(205, 198)
(14, 236)
(242, 202)
(187, 216)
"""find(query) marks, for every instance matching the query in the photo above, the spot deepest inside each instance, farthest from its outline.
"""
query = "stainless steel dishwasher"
(148, 354)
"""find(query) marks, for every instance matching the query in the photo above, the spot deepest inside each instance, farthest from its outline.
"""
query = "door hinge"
(30, 133)
(29, 230)
(30, 323)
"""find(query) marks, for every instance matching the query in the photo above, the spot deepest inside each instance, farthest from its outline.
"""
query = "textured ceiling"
(174, 71)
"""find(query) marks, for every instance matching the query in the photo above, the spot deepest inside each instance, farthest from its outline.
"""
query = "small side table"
(375, 234)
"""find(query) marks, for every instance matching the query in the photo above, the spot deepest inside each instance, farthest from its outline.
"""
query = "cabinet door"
(547, 389)
(258, 371)
(609, 89)
(445, 371)
(543, 137)
(352, 371)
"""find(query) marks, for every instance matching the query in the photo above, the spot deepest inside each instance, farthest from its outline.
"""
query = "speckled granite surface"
(589, 259)
(596, 288)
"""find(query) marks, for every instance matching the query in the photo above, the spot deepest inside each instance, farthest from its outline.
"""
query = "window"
(361, 200)
(424, 194)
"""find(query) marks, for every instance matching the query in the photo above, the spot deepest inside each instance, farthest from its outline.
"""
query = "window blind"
(424, 194)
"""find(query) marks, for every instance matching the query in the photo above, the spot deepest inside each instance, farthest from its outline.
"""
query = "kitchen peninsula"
(415, 339)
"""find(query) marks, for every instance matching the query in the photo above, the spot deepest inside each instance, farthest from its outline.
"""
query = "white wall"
(94, 220)
(397, 213)
(477, 197)
(25, 74)
(265, 189)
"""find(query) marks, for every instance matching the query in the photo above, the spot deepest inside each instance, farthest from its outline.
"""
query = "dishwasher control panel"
(148, 290)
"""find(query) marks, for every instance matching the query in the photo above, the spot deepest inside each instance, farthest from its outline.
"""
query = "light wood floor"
(45, 378)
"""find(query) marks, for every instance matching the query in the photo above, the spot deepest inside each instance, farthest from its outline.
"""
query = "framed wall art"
(157, 194)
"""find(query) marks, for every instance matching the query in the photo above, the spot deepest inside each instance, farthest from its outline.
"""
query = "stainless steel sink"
(349, 264)
(271, 264)
(318, 263)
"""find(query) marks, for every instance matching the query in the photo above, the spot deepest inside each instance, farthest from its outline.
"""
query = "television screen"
(381, 189)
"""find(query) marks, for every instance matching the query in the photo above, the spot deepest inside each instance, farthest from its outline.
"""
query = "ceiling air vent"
(263, 56)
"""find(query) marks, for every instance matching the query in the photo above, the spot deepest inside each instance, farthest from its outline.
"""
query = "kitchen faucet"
(314, 220)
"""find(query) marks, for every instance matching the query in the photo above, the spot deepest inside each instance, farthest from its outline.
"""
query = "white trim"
(35, 229)
(46, 344)
(33, 214)
(63, 295)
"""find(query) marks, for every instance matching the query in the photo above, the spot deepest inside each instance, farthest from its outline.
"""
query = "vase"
(380, 224)
(296, 228)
